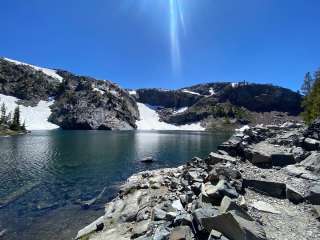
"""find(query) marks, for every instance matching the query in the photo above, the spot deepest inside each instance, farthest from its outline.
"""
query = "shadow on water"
(46, 176)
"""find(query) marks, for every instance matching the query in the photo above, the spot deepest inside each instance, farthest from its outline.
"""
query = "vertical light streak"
(174, 35)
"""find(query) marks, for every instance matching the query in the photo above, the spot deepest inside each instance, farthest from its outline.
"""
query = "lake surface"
(46, 174)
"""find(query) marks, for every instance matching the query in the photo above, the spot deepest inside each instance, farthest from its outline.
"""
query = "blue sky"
(137, 43)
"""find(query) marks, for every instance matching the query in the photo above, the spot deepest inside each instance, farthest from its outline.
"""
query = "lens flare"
(177, 26)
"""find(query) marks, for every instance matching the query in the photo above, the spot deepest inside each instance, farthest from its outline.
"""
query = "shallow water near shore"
(45, 175)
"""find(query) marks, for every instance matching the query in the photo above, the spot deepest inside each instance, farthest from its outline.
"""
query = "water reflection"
(53, 171)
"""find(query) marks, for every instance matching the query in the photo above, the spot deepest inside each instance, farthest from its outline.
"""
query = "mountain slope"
(78, 102)
(242, 102)
(69, 101)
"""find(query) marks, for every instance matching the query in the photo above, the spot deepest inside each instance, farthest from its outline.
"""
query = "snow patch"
(234, 85)
(95, 89)
(180, 110)
(132, 92)
(36, 118)
(242, 129)
(190, 92)
(149, 120)
(47, 71)
(212, 92)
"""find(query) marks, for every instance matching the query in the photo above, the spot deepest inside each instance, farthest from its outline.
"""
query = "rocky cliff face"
(166, 98)
(25, 82)
(80, 102)
(239, 101)
(86, 103)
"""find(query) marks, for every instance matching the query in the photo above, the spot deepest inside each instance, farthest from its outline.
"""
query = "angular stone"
(316, 210)
(181, 233)
(161, 233)
(215, 193)
(158, 214)
(273, 189)
(202, 214)
(214, 235)
(311, 144)
(228, 172)
(312, 162)
(294, 195)
(232, 146)
(176, 204)
(183, 219)
(235, 227)
(147, 160)
(313, 196)
(93, 227)
(282, 159)
(196, 188)
(215, 158)
(260, 157)
(140, 229)
(264, 207)
(227, 204)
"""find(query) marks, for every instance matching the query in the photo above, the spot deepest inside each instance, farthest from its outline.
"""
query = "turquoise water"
(46, 174)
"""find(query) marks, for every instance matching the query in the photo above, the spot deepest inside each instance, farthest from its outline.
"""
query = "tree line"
(11, 121)
(311, 96)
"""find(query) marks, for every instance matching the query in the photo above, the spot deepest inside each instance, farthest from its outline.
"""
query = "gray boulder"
(294, 195)
(215, 193)
(201, 215)
(215, 158)
(235, 227)
(273, 189)
(312, 163)
(181, 233)
(282, 159)
(313, 196)
(311, 144)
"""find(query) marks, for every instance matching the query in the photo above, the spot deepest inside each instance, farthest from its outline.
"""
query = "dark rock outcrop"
(25, 82)
(86, 103)
(80, 102)
(263, 98)
(239, 101)
(166, 98)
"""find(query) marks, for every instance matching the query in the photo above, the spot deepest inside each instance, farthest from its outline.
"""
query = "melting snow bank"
(47, 71)
(149, 120)
(36, 118)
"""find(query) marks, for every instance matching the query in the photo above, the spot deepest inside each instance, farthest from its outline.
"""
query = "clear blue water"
(44, 175)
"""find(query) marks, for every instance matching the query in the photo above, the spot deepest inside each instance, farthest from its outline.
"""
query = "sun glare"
(177, 27)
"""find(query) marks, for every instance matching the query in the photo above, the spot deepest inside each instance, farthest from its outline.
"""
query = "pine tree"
(15, 125)
(307, 84)
(3, 118)
(23, 127)
(311, 102)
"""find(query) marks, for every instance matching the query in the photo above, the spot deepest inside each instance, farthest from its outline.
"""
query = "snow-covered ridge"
(149, 120)
(47, 71)
(36, 118)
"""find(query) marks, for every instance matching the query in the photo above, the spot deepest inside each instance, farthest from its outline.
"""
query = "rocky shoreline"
(263, 183)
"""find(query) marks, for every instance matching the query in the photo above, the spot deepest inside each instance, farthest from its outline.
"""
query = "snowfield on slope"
(149, 120)
(47, 71)
(190, 92)
(36, 118)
